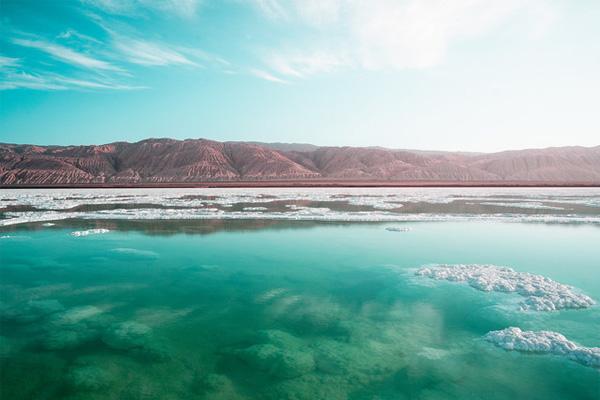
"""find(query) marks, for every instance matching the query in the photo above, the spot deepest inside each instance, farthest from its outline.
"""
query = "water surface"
(267, 309)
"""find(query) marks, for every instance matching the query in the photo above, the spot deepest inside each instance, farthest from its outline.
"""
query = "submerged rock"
(279, 354)
(127, 335)
(89, 377)
(277, 361)
(32, 311)
(137, 339)
(78, 314)
(310, 387)
(73, 327)
(219, 387)
(69, 338)
(6, 346)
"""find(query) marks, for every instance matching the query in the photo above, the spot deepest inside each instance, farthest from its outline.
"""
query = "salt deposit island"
(540, 294)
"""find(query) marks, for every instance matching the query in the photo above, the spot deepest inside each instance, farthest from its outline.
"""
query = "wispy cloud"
(319, 12)
(206, 58)
(144, 52)
(129, 46)
(67, 55)
(271, 8)
(103, 59)
(181, 8)
(9, 61)
(267, 76)
(300, 65)
(46, 81)
(73, 34)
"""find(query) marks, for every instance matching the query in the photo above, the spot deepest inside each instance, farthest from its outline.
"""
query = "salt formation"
(541, 293)
(90, 232)
(544, 342)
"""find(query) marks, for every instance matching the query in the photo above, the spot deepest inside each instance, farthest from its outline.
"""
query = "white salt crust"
(305, 214)
(385, 203)
(544, 342)
(541, 293)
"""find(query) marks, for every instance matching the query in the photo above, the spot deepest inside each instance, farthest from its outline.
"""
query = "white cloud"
(392, 34)
(67, 55)
(417, 34)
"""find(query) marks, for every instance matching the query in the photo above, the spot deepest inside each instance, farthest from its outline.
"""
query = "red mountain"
(168, 161)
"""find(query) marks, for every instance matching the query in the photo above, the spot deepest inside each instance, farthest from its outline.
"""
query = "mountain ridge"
(171, 161)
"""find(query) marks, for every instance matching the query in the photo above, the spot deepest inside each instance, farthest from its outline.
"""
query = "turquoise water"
(285, 311)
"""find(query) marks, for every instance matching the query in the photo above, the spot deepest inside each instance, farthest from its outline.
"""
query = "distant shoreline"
(311, 184)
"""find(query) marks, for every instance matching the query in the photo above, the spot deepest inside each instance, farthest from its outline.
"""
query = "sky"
(469, 75)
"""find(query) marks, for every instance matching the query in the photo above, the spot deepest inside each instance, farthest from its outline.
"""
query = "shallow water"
(284, 310)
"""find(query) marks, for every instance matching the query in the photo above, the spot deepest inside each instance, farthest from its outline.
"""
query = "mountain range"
(171, 162)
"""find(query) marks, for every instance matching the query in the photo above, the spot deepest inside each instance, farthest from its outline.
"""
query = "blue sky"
(476, 75)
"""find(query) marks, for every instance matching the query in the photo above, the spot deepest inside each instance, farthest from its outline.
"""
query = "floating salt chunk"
(90, 232)
(397, 229)
(48, 224)
(544, 342)
(541, 293)
(255, 208)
